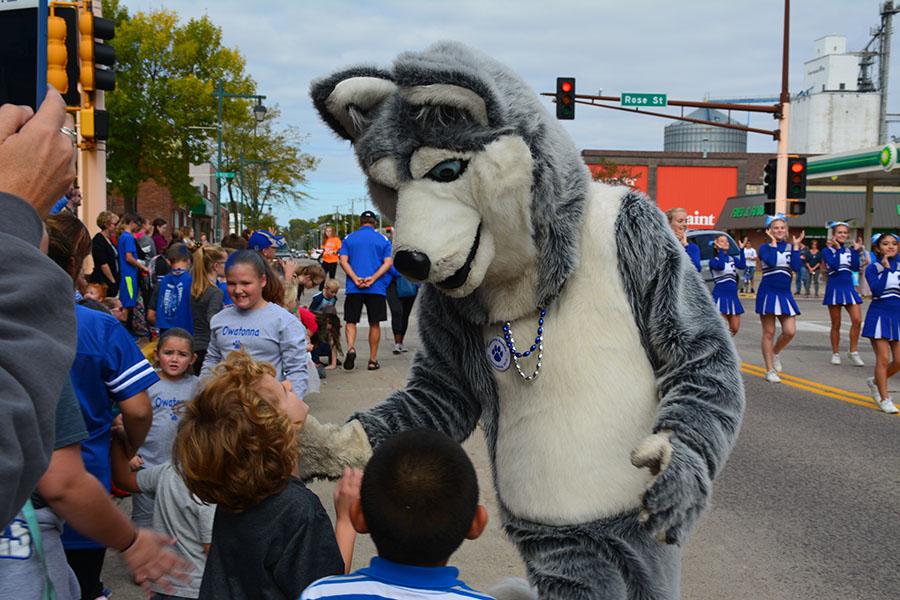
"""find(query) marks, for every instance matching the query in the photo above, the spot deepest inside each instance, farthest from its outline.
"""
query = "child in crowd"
(207, 297)
(327, 297)
(262, 328)
(95, 291)
(327, 339)
(237, 447)
(115, 309)
(419, 501)
(176, 513)
(882, 325)
(170, 304)
(174, 356)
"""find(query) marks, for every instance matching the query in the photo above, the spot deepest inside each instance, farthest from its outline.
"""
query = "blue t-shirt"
(173, 301)
(223, 285)
(386, 579)
(366, 250)
(128, 272)
(108, 369)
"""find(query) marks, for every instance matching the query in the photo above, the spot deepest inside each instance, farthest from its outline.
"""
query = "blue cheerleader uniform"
(883, 317)
(773, 297)
(693, 252)
(839, 290)
(724, 271)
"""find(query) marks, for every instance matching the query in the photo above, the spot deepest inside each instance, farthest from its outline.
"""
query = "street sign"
(632, 99)
(225, 174)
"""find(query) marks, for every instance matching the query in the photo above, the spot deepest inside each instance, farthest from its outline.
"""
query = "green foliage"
(269, 163)
(165, 74)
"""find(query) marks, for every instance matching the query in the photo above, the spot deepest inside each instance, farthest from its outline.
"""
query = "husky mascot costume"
(559, 313)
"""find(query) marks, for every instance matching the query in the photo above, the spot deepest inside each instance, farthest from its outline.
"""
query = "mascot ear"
(346, 99)
(448, 94)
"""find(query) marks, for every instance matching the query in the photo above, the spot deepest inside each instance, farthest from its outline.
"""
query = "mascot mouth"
(462, 274)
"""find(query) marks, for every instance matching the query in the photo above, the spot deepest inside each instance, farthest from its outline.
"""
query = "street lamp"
(259, 112)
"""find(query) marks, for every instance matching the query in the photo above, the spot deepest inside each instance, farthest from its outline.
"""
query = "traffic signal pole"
(781, 180)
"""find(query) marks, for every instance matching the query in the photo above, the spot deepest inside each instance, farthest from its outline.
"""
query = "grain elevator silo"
(683, 136)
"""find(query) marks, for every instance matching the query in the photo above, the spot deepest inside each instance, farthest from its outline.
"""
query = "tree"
(165, 74)
(270, 164)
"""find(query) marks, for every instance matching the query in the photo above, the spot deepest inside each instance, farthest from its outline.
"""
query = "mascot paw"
(679, 491)
(326, 449)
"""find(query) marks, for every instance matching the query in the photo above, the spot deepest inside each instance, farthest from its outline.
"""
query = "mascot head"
(485, 189)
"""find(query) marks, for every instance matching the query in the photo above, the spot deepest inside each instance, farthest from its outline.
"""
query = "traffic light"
(796, 207)
(769, 208)
(796, 177)
(94, 124)
(62, 60)
(770, 174)
(95, 53)
(57, 57)
(565, 98)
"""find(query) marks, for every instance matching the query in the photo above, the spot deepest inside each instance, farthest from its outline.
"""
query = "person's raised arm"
(122, 475)
(346, 493)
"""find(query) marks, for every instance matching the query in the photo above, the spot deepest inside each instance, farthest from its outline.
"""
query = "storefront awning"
(746, 212)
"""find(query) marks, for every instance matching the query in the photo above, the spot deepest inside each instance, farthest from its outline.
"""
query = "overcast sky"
(685, 48)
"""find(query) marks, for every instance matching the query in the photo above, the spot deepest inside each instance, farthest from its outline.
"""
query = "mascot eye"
(447, 170)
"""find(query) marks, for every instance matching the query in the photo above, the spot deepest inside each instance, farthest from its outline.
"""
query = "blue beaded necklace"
(536, 346)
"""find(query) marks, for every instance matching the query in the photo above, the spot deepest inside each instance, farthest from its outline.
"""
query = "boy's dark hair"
(175, 332)
(131, 217)
(419, 495)
(233, 241)
(178, 253)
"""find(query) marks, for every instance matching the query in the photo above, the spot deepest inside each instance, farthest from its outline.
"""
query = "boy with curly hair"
(236, 447)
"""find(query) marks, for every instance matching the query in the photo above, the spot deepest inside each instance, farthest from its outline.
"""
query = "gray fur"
(451, 385)
(397, 128)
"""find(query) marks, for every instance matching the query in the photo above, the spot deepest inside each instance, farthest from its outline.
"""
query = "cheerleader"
(773, 297)
(678, 223)
(724, 271)
(882, 325)
(839, 291)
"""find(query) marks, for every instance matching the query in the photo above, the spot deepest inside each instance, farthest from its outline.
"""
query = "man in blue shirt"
(365, 257)
(130, 267)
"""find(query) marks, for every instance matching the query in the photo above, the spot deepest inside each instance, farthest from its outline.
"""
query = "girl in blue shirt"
(841, 262)
(882, 325)
(773, 298)
(724, 271)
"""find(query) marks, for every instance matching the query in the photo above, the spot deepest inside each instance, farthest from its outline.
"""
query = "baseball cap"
(368, 214)
(260, 240)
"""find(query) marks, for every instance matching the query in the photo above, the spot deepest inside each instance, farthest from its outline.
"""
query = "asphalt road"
(807, 507)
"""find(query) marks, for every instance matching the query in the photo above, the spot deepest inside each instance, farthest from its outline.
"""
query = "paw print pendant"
(498, 354)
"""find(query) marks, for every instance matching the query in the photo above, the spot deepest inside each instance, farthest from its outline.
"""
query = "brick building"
(155, 201)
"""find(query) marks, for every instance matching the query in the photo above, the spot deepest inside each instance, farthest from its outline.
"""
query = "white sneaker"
(398, 348)
(776, 362)
(887, 405)
(772, 377)
(856, 359)
(403, 348)
(873, 390)
(835, 359)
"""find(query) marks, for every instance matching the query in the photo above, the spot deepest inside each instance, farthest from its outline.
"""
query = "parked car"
(704, 238)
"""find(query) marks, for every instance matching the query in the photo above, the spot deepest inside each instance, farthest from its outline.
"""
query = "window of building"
(842, 86)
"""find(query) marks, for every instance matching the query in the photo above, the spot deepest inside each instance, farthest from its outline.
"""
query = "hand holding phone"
(37, 159)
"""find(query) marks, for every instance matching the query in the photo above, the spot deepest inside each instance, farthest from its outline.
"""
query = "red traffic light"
(797, 167)
(566, 86)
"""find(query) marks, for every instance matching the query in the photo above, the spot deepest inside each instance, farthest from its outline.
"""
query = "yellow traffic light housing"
(94, 124)
(57, 56)
(93, 53)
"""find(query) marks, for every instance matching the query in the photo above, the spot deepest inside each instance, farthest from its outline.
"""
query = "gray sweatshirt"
(269, 334)
(37, 326)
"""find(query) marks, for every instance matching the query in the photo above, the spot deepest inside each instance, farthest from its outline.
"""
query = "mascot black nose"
(414, 265)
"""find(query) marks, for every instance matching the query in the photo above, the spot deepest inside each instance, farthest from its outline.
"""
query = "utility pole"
(884, 63)
(783, 118)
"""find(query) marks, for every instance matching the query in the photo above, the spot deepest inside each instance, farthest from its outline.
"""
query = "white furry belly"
(564, 440)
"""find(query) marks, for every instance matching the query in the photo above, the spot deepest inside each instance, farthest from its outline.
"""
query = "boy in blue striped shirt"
(419, 501)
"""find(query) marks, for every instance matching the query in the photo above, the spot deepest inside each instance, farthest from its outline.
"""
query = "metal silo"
(683, 136)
